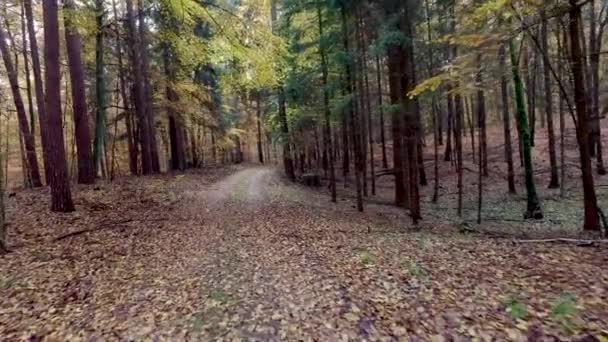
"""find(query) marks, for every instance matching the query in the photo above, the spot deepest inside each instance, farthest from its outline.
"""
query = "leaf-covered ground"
(248, 257)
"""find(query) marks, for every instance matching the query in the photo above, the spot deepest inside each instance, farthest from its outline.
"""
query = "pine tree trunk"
(533, 208)
(381, 110)
(149, 99)
(354, 120)
(131, 143)
(326, 110)
(86, 168)
(61, 197)
(135, 48)
(590, 201)
(28, 139)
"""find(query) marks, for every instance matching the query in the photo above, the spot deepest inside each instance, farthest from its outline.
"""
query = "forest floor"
(239, 254)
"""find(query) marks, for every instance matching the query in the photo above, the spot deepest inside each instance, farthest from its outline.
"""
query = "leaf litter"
(248, 257)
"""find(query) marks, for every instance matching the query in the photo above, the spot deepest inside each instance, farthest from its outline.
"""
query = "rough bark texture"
(86, 169)
(61, 197)
(149, 99)
(139, 92)
(591, 209)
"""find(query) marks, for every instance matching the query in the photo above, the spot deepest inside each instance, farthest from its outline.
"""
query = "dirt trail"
(252, 257)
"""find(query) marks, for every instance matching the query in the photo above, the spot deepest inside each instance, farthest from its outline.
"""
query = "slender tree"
(28, 139)
(533, 210)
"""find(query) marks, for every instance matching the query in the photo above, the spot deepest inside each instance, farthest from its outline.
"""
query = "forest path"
(250, 256)
(289, 265)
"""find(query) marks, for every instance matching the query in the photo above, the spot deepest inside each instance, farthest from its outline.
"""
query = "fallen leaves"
(249, 258)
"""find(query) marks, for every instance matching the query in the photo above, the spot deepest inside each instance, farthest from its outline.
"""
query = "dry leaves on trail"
(201, 257)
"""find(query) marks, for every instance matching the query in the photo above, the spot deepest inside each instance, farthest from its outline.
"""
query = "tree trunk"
(259, 125)
(38, 87)
(481, 117)
(61, 197)
(26, 66)
(354, 120)
(381, 110)
(534, 210)
(595, 44)
(149, 99)
(590, 201)
(135, 48)
(28, 139)
(327, 128)
(561, 43)
(100, 90)
(506, 120)
(554, 180)
(86, 168)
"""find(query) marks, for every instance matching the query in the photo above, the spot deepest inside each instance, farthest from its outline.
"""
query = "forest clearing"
(303, 170)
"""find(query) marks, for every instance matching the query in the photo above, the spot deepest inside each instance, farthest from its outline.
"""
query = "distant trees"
(350, 88)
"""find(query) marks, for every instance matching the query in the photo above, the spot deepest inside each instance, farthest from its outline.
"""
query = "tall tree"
(139, 93)
(554, 180)
(592, 213)
(86, 169)
(61, 196)
(326, 110)
(533, 210)
(100, 89)
(506, 120)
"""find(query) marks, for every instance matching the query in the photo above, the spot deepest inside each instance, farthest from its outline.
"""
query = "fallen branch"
(578, 242)
(108, 225)
(88, 230)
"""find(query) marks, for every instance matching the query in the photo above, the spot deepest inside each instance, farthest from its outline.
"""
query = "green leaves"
(516, 309)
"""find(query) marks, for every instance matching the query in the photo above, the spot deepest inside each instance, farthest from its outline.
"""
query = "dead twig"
(578, 242)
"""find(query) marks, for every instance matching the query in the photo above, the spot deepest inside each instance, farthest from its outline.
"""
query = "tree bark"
(590, 201)
(381, 110)
(149, 99)
(61, 196)
(135, 48)
(506, 120)
(354, 120)
(534, 210)
(554, 180)
(326, 110)
(86, 169)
